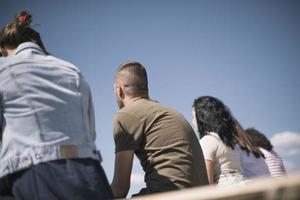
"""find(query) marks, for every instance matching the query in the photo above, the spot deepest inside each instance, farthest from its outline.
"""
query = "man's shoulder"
(124, 114)
(125, 119)
(139, 111)
(139, 106)
(157, 106)
(145, 109)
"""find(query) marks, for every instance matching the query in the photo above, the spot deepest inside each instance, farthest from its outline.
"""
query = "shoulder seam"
(125, 113)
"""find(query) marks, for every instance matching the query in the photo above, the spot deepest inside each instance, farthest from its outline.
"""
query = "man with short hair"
(160, 137)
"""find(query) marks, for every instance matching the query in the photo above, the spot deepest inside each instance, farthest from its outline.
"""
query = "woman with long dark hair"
(214, 121)
(272, 159)
(46, 122)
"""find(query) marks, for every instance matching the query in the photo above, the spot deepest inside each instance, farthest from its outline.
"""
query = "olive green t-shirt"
(164, 142)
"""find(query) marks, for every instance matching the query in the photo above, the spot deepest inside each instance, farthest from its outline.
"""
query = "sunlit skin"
(194, 120)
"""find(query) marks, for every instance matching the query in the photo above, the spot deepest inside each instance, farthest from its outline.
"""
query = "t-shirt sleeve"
(128, 131)
(209, 146)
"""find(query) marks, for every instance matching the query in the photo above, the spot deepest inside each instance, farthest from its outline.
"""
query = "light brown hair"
(19, 31)
(245, 141)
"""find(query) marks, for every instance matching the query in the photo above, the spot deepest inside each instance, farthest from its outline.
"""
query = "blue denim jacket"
(46, 110)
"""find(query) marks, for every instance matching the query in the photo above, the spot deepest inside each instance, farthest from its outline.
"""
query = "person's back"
(220, 136)
(47, 123)
(226, 160)
(274, 163)
(165, 144)
(251, 166)
(162, 139)
(48, 95)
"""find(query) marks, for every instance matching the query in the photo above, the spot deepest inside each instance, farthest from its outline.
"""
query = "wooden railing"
(285, 188)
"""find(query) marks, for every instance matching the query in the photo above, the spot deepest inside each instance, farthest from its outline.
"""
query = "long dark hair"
(213, 116)
(259, 139)
(19, 31)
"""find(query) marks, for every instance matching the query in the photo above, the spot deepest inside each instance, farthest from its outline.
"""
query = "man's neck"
(132, 99)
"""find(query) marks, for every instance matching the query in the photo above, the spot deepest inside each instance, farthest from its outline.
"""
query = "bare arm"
(123, 166)
(210, 171)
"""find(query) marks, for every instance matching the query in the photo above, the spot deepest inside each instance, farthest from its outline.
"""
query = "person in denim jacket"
(47, 122)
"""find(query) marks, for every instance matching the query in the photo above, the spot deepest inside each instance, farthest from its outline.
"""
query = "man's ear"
(120, 92)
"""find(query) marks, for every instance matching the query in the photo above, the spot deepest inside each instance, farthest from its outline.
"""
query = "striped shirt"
(274, 163)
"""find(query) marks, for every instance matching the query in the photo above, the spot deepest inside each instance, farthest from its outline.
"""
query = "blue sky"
(247, 53)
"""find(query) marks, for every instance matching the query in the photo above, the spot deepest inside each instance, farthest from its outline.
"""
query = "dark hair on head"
(135, 81)
(19, 31)
(213, 116)
(259, 139)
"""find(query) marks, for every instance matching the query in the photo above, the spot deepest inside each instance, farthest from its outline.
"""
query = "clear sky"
(246, 53)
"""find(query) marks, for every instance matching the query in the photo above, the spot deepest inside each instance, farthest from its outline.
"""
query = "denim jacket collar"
(28, 46)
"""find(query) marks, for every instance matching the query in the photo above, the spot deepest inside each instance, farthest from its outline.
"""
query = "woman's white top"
(225, 159)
